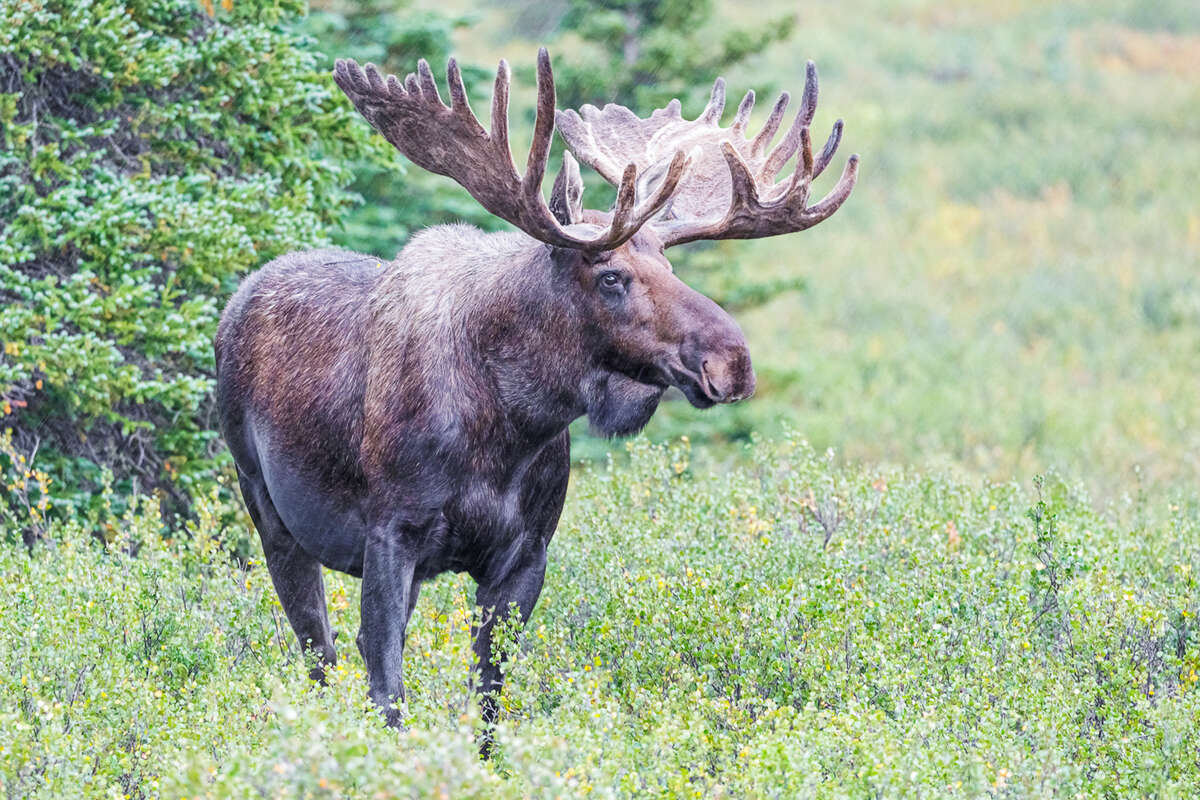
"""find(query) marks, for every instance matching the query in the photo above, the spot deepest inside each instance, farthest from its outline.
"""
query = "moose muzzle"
(715, 361)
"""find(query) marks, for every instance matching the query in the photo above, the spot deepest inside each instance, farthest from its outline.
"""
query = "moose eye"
(611, 280)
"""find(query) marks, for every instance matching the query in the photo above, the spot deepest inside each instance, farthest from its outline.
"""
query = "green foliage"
(789, 629)
(25, 490)
(150, 154)
(643, 53)
(396, 201)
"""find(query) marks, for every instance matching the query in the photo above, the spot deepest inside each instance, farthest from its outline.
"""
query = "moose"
(398, 419)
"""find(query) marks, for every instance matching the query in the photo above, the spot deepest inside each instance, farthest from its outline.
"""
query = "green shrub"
(150, 154)
(789, 629)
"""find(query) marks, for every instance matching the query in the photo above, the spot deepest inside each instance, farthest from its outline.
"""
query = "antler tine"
(805, 168)
(543, 127)
(626, 194)
(831, 146)
(566, 196)
(783, 152)
(745, 190)
(808, 104)
(769, 128)
(394, 87)
(458, 92)
(742, 118)
(499, 131)
(796, 193)
(716, 104)
(791, 141)
(374, 82)
(679, 165)
(833, 201)
(429, 89)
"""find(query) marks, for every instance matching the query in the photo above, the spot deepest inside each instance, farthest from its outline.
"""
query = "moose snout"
(721, 365)
(712, 364)
(728, 378)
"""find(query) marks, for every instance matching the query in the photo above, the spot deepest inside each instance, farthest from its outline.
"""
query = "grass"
(790, 629)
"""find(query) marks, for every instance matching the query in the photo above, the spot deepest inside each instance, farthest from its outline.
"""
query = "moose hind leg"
(296, 576)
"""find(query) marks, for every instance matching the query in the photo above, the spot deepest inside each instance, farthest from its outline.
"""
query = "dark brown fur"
(416, 411)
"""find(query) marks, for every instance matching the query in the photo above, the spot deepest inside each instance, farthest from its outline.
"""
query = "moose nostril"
(712, 381)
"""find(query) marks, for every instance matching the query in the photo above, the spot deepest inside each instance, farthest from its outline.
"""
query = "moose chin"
(398, 419)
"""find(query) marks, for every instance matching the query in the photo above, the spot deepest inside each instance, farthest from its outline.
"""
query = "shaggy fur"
(394, 420)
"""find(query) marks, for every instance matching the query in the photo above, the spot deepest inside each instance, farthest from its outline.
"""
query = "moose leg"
(520, 587)
(387, 600)
(296, 576)
(541, 503)
(413, 592)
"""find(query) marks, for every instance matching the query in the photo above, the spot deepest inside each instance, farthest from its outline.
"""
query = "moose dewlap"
(397, 419)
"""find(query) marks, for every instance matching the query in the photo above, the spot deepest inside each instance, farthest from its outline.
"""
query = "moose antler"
(725, 164)
(450, 141)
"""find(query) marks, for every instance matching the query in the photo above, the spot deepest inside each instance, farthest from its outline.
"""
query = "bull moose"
(398, 419)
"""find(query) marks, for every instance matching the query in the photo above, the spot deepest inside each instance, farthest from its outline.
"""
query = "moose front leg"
(387, 595)
(520, 587)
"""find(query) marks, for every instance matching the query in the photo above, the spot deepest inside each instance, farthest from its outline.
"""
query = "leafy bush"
(790, 629)
(26, 493)
(150, 154)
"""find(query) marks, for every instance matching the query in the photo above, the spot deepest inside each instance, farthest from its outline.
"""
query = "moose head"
(394, 420)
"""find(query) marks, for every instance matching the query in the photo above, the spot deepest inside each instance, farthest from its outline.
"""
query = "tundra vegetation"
(1012, 289)
(790, 628)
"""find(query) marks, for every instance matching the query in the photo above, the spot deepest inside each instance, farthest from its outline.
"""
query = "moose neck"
(560, 358)
(484, 349)
(545, 360)
(530, 343)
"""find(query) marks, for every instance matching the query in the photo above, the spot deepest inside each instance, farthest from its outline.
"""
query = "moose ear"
(566, 198)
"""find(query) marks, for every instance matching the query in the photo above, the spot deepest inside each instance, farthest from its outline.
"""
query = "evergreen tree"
(150, 155)
(643, 53)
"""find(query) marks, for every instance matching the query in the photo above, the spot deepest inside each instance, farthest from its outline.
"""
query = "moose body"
(394, 421)
(397, 419)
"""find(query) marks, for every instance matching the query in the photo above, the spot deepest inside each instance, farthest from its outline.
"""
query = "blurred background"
(1014, 285)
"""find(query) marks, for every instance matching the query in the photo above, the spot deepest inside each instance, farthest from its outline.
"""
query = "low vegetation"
(790, 629)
